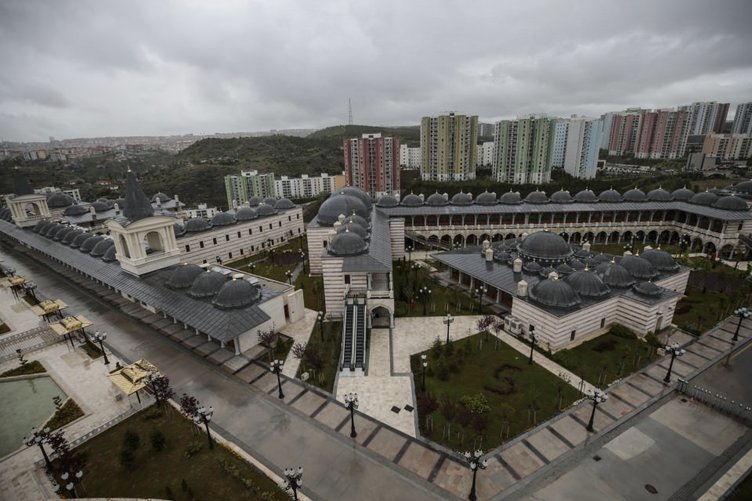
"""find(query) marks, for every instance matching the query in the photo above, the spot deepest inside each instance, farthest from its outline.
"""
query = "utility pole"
(349, 112)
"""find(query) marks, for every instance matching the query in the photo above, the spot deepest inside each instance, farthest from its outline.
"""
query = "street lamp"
(742, 313)
(203, 416)
(320, 320)
(424, 363)
(276, 368)
(219, 260)
(351, 403)
(302, 258)
(39, 437)
(533, 339)
(480, 291)
(409, 250)
(473, 459)
(253, 268)
(425, 293)
(71, 480)
(293, 480)
(288, 273)
(448, 320)
(675, 351)
(99, 337)
(598, 397)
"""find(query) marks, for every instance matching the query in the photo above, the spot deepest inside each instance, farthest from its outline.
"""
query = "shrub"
(127, 459)
(131, 440)
(652, 340)
(449, 349)
(443, 372)
(605, 345)
(193, 449)
(476, 404)
(427, 404)
(623, 332)
(158, 440)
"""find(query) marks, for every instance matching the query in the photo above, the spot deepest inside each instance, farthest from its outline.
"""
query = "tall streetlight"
(742, 313)
(320, 320)
(598, 397)
(203, 416)
(293, 480)
(99, 337)
(475, 463)
(448, 320)
(39, 437)
(425, 293)
(675, 351)
(480, 291)
(533, 339)
(71, 480)
(252, 267)
(276, 368)
(288, 274)
(302, 258)
(351, 403)
(409, 250)
(424, 364)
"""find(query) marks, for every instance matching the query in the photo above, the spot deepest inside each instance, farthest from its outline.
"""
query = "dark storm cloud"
(85, 68)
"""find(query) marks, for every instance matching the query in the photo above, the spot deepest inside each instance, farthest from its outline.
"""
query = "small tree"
(427, 404)
(21, 359)
(298, 350)
(160, 385)
(189, 405)
(313, 357)
(485, 322)
(447, 407)
(268, 339)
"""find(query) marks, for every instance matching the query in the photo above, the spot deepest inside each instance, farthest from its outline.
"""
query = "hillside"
(407, 134)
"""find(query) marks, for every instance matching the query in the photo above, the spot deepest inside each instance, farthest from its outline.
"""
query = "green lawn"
(33, 367)
(69, 412)
(324, 354)
(91, 349)
(313, 291)
(4, 328)
(515, 396)
(169, 473)
(606, 358)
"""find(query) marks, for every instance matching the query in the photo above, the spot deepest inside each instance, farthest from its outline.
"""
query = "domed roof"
(437, 200)
(639, 267)
(565, 269)
(270, 201)
(70, 237)
(545, 245)
(659, 195)
(661, 259)
(704, 198)
(592, 262)
(555, 293)
(587, 284)
(41, 227)
(354, 218)
(6, 215)
(120, 202)
(577, 264)
(610, 196)
(486, 198)
(744, 187)
(59, 199)
(532, 267)
(80, 240)
(602, 258)
(196, 224)
(102, 247)
(355, 228)
(110, 254)
(90, 243)
(254, 201)
(511, 198)
(647, 289)
(52, 230)
(339, 204)
(411, 200)
(359, 194)
(265, 209)
(387, 201)
(536, 197)
(284, 203)
(545, 272)
(60, 234)
(635, 195)
(161, 197)
(236, 294)
(615, 275)
(347, 243)
(178, 229)
(562, 197)
(183, 276)
(100, 206)
(207, 284)
(462, 199)
(223, 219)
(75, 210)
(245, 214)
(731, 202)
(682, 194)
(586, 197)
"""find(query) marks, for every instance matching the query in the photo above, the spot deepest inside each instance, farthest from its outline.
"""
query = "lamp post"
(99, 337)
(415, 267)
(409, 250)
(320, 320)
(288, 274)
(203, 416)
(253, 268)
(683, 244)
(71, 480)
(480, 291)
(276, 368)
(424, 364)
(533, 339)
(302, 258)
(448, 320)
(425, 293)
(742, 313)
(475, 463)
(351, 403)
(39, 437)
(675, 351)
(218, 259)
(598, 397)
(293, 480)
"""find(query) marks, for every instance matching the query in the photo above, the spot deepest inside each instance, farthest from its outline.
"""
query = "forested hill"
(407, 134)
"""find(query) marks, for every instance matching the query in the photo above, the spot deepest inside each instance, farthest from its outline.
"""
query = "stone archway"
(381, 317)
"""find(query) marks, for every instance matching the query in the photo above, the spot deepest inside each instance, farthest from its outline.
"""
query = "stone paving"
(300, 332)
(16, 313)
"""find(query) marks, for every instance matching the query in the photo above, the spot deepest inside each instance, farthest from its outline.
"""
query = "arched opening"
(653, 237)
(727, 251)
(471, 240)
(697, 245)
(576, 238)
(32, 209)
(153, 242)
(498, 237)
(381, 317)
(640, 236)
(446, 241)
(459, 241)
(665, 235)
(124, 245)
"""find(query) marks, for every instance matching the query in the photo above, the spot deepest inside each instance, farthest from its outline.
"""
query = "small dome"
(532, 267)
(647, 289)
(335, 205)
(37, 227)
(592, 262)
(223, 219)
(90, 243)
(731, 202)
(545, 245)
(270, 201)
(659, 195)
(161, 197)
(586, 197)
(555, 294)
(110, 254)
(59, 199)
(100, 249)
(120, 202)
(43, 227)
(437, 200)
(662, 260)
(639, 267)
(412, 200)
(80, 240)
(577, 264)
(486, 198)
(196, 224)
(564, 269)
(178, 229)
(6, 215)
(100, 206)
(265, 209)
(52, 230)
(387, 201)
(75, 210)
(562, 197)
(354, 218)
(635, 195)
(236, 294)
(704, 198)
(183, 276)
(682, 194)
(60, 234)
(587, 284)
(355, 228)
(462, 199)
(207, 284)
(511, 198)
(245, 214)
(254, 201)
(545, 272)
(347, 243)
(70, 237)
(615, 275)
(610, 196)
(284, 204)
(744, 187)
(602, 258)
(536, 197)
(359, 194)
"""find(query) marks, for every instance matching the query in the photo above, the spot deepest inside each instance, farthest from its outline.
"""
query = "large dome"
(536, 197)
(245, 214)
(437, 200)
(704, 198)
(387, 201)
(744, 187)
(183, 276)
(462, 199)
(236, 294)
(101, 206)
(59, 199)
(100, 249)
(162, 197)
(75, 210)
(635, 195)
(615, 275)
(359, 194)
(338, 204)
(587, 284)
(639, 267)
(196, 224)
(284, 204)
(562, 197)
(659, 195)
(178, 229)
(207, 284)
(555, 294)
(610, 196)
(223, 219)
(661, 259)
(270, 201)
(731, 202)
(586, 197)
(545, 245)
(347, 243)
(264, 209)
(486, 198)
(412, 200)
(682, 194)
(511, 198)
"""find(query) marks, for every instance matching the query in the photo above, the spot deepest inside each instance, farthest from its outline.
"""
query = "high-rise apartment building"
(606, 121)
(372, 164)
(662, 134)
(706, 117)
(307, 187)
(582, 147)
(248, 184)
(728, 146)
(625, 127)
(448, 147)
(409, 157)
(742, 119)
(559, 147)
(523, 150)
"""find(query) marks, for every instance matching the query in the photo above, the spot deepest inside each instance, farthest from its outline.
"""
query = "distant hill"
(409, 134)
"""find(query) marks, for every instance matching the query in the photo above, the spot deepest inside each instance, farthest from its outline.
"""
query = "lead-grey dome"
(545, 245)
(661, 259)
(270, 201)
(355, 228)
(70, 237)
(486, 198)
(562, 197)
(587, 284)
(245, 214)
(178, 229)
(577, 264)
(731, 202)
(511, 198)
(52, 230)
(635, 195)
(100, 206)
(704, 198)
(437, 200)
(555, 294)
(100, 249)
(236, 294)
(60, 234)
(545, 272)
(59, 199)
(532, 267)
(223, 219)
(196, 224)
(743, 187)
(90, 243)
(347, 243)
(412, 200)
(639, 267)
(659, 195)
(647, 289)
(284, 204)
(41, 227)
(682, 194)
(254, 201)
(354, 218)
(586, 197)
(162, 197)
(565, 269)
(80, 240)
(207, 284)
(265, 209)
(359, 194)
(615, 275)
(75, 210)
(110, 254)
(387, 201)
(183, 276)
(339, 204)
(462, 199)
(536, 197)
(610, 196)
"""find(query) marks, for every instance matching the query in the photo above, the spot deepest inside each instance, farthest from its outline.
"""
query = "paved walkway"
(16, 313)
(299, 331)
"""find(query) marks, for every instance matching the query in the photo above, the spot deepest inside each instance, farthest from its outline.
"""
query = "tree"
(268, 339)
(427, 404)
(160, 385)
(485, 322)
(313, 357)
(298, 350)
(189, 405)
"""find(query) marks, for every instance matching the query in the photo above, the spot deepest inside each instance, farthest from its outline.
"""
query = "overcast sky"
(96, 68)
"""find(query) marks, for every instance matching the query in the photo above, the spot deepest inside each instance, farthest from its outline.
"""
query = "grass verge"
(321, 359)
(33, 367)
(69, 412)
